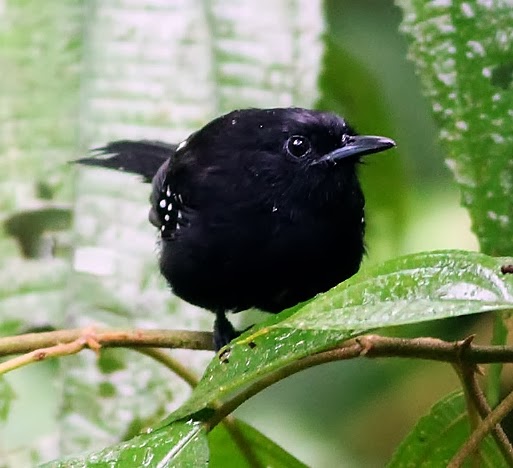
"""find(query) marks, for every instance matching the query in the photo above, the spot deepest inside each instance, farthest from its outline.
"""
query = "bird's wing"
(143, 158)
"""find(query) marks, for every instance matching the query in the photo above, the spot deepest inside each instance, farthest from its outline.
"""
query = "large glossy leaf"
(406, 290)
(181, 445)
(226, 453)
(436, 438)
(185, 444)
(462, 52)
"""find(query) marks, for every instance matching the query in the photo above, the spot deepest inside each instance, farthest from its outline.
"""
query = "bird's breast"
(269, 260)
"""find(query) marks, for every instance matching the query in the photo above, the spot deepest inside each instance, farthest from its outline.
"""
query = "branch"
(470, 383)
(464, 354)
(434, 349)
(108, 338)
(484, 428)
(375, 346)
(63, 349)
(466, 374)
(41, 346)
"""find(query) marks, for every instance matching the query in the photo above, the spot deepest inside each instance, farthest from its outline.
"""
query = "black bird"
(260, 208)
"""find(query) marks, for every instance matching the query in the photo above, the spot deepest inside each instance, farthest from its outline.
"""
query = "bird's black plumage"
(260, 208)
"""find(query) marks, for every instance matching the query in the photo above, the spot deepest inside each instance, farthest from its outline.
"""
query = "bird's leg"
(223, 330)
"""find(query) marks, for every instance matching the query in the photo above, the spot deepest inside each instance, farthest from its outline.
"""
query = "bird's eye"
(298, 146)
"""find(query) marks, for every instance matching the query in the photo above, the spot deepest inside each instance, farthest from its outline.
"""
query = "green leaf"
(225, 453)
(183, 444)
(463, 53)
(436, 438)
(405, 290)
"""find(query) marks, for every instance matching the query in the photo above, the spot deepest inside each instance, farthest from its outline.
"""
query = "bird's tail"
(137, 157)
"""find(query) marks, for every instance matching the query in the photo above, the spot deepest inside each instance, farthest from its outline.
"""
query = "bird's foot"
(223, 331)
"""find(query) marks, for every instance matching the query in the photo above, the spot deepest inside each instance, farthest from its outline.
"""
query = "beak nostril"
(347, 139)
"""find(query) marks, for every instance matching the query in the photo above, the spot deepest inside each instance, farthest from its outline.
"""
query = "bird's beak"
(358, 145)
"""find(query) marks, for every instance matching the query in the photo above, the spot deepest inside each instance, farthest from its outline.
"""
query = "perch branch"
(19, 344)
(463, 354)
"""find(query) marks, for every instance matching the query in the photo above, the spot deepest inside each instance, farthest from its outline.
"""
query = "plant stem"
(484, 428)
(63, 349)
(108, 338)
(470, 382)
(171, 363)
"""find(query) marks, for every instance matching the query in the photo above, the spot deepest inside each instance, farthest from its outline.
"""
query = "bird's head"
(291, 151)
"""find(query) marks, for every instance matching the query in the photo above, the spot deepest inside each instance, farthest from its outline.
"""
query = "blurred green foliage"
(326, 415)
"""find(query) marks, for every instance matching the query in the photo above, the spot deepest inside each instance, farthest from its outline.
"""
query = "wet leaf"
(183, 444)
(463, 53)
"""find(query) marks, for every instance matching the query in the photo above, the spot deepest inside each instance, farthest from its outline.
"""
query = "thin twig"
(64, 349)
(171, 363)
(19, 344)
(474, 417)
(246, 448)
(463, 370)
(484, 428)
(469, 380)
